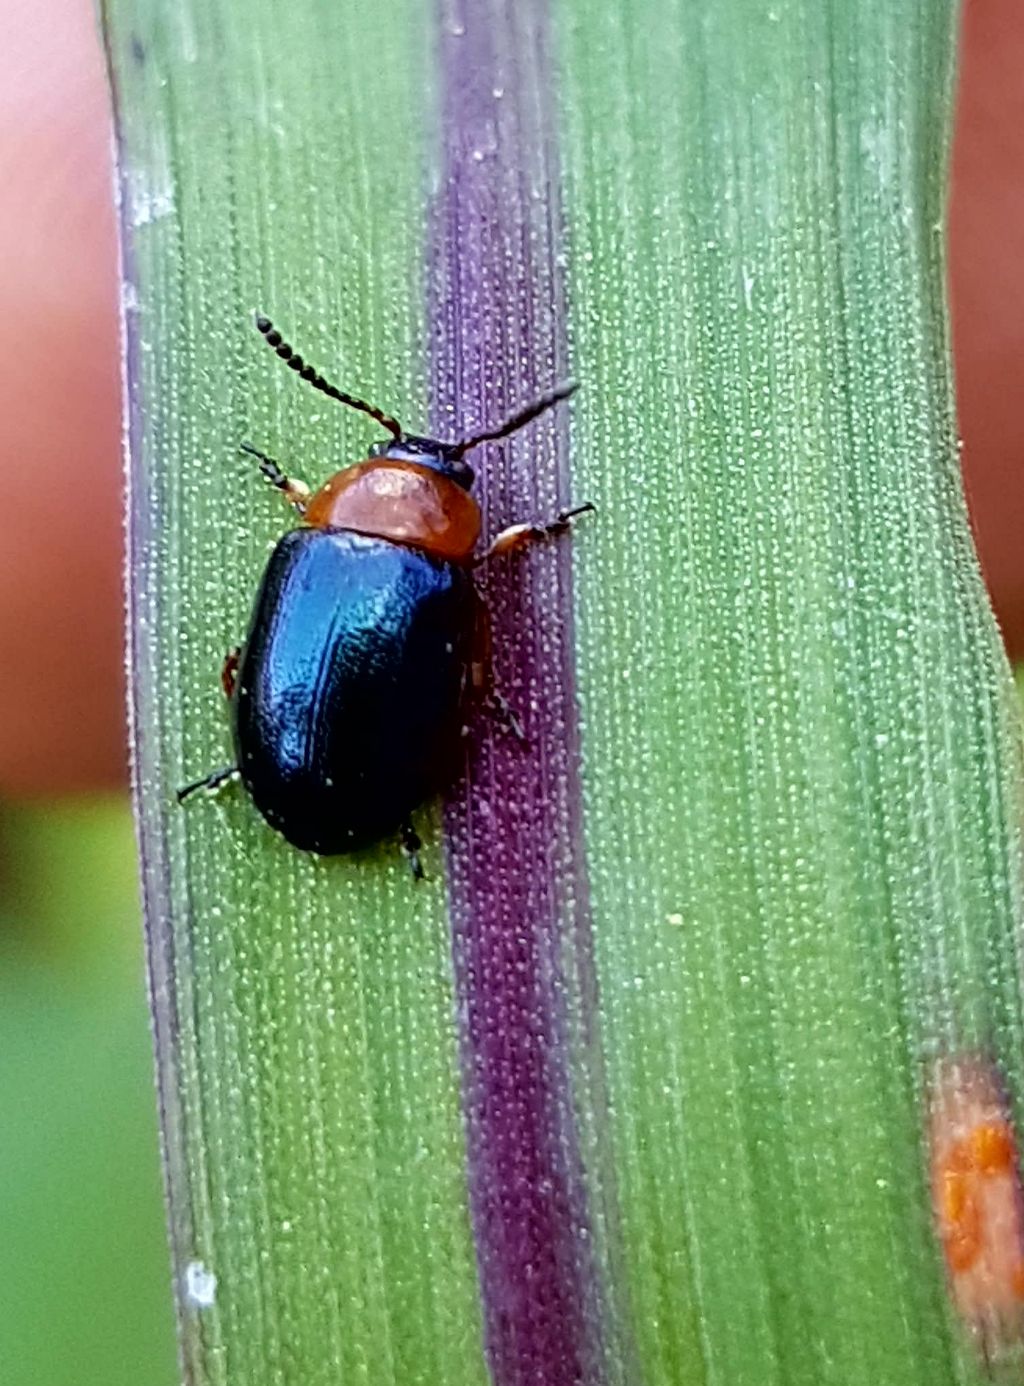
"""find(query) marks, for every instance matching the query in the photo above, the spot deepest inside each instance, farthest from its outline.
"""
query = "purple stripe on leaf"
(518, 888)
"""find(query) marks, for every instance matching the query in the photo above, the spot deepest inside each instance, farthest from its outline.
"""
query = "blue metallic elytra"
(368, 642)
(347, 704)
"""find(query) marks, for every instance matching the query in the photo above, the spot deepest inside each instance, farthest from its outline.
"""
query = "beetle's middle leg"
(481, 670)
(296, 493)
(517, 537)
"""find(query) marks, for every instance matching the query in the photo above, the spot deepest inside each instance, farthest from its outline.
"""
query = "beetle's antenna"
(518, 420)
(306, 372)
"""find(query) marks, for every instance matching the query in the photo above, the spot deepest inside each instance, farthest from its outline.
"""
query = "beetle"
(368, 641)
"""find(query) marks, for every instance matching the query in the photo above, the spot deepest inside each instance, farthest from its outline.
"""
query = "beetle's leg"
(506, 713)
(296, 493)
(229, 670)
(211, 781)
(411, 845)
(518, 537)
(481, 668)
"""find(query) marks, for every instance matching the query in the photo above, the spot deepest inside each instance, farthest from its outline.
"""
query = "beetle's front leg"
(296, 493)
(517, 537)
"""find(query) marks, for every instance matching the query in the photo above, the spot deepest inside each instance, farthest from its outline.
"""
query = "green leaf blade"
(798, 759)
(307, 1066)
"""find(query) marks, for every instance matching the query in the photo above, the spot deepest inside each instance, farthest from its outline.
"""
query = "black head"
(407, 447)
(428, 452)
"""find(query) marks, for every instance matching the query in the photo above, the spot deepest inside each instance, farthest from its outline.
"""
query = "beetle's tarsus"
(507, 715)
(213, 780)
(296, 493)
(518, 537)
(411, 844)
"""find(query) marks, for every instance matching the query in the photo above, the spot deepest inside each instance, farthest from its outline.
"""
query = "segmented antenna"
(518, 420)
(294, 361)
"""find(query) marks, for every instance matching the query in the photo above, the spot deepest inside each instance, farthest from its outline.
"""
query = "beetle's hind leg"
(411, 844)
(518, 537)
(213, 780)
(296, 493)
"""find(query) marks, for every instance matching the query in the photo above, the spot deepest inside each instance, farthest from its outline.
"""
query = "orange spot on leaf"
(978, 1199)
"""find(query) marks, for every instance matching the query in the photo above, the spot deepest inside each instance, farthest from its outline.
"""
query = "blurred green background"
(83, 1256)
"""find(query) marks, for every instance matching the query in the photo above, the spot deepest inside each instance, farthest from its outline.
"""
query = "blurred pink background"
(62, 719)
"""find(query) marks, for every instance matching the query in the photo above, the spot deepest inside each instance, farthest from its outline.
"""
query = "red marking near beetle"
(229, 670)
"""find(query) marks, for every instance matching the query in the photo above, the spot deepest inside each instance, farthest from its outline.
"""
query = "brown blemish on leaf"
(978, 1201)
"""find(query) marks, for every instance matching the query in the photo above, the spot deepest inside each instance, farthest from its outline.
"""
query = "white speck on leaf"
(200, 1285)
